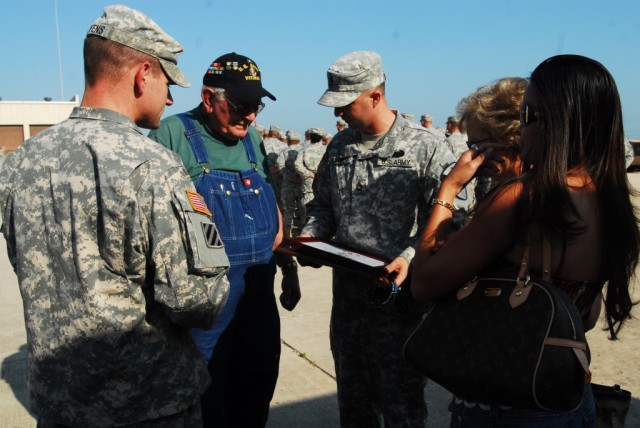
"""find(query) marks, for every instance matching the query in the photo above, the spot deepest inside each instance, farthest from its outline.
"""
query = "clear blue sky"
(434, 52)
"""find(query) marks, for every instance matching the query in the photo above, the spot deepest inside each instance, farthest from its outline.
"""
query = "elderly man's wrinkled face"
(228, 118)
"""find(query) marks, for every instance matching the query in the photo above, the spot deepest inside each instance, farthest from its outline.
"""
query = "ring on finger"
(474, 147)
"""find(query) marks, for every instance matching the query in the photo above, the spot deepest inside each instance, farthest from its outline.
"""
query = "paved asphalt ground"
(306, 392)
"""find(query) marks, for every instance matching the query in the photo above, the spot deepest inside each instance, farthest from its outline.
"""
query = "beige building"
(20, 120)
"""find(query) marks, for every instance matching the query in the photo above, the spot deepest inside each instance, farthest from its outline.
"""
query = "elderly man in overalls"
(226, 159)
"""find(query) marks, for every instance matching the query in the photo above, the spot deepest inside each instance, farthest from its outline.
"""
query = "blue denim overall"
(245, 211)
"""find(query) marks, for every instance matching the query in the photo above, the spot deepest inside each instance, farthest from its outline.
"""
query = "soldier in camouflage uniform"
(426, 120)
(408, 116)
(326, 139)
(273, 146)
(456, 141)
(306, 166)
(291, 186)
(261, 131)
(372, 192)
(3, 150)
(116, 254)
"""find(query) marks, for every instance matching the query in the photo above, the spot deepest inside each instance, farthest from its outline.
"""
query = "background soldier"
(426, 120)
(306, 166)
(291, 185)
(456, 140)
(273, 146)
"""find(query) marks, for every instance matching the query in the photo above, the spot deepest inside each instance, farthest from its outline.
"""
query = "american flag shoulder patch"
(197, 203)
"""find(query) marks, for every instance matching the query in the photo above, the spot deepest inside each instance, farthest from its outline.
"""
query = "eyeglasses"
(245, 109)
(528, 114)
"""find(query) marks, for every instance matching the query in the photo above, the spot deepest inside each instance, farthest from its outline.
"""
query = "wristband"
(445, 204)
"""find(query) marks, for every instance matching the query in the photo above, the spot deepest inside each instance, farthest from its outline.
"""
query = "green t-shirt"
(223, 157)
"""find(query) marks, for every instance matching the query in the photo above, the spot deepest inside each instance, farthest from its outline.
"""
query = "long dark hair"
(581, 129)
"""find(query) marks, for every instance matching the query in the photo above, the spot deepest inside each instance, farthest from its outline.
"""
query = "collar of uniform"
(94, 113)
(386, 147)
(381, 150)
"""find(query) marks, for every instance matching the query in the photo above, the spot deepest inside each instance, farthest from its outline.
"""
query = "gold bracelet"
(445, 204)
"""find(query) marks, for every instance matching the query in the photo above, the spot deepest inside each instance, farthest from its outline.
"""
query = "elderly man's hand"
(290, 295)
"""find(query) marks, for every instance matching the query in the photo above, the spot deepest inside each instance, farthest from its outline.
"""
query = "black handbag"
(612, 405)
(505, 338)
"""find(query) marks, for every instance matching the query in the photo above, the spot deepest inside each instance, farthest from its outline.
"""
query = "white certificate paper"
(349, 255)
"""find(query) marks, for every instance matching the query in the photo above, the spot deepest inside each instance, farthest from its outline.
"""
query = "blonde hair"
(495, 108)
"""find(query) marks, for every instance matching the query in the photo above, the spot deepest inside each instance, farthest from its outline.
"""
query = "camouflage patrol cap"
(293, 135)
(134, 29)
(426, 118)
(317, 131)
(341, 122)
(350, 75)
(274, 128)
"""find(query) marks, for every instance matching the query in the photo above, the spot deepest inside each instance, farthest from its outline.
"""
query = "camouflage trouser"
(306, 198)
(277, 186)
(291, 208)
(376, 387)
(191, 417)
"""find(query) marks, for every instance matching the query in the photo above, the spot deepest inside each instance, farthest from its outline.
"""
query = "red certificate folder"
(339, 256)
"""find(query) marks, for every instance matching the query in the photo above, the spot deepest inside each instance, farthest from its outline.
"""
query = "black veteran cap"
(134, 29)
(238, 75)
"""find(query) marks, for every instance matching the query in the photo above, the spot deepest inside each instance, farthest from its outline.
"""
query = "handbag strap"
(523, 274)
(521, 291)
(546, 258)
(579, 348)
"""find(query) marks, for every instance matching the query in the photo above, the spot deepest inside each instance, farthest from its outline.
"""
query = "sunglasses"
(528, 114)
(245, 109)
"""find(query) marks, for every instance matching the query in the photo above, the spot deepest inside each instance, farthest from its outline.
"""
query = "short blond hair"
(495, 108)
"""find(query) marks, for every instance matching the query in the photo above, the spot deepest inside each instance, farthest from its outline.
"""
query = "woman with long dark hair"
(573, 191)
